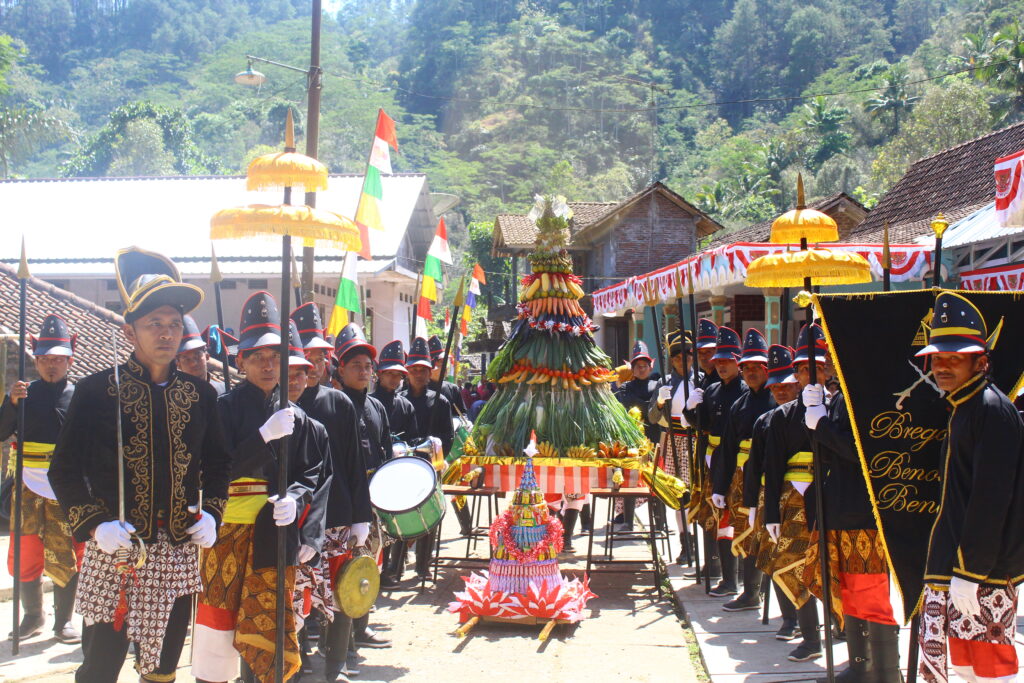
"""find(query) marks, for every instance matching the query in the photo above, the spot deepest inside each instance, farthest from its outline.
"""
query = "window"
(257, 283)
(229, 284)
(367, 293)
(111, 285)
(60, 284)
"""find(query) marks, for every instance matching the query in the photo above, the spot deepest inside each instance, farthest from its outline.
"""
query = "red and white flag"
(1009, 190)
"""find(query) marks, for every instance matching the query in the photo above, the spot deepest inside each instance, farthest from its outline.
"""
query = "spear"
(216, 278)
(695, 459)
(766, 580)
(671, 425)
(886, 260)
(19, 463)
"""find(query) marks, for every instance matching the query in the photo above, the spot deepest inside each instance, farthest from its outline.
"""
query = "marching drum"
(406, 494)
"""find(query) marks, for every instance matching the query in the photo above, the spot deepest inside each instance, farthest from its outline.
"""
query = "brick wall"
(747, 308)
(655, 233)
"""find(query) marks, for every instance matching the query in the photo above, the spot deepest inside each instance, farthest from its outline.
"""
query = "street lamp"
(314, 86)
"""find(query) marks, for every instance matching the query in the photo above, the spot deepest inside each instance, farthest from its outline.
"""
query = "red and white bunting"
(999, 279)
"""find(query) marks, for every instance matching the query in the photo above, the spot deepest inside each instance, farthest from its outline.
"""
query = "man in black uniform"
(731, 457)
(193, 355)
(391, 373)
(355, 368)
(975, 559)
(317, 349)
(236, 613)
(46, 542)
(450, 391)
(172, 444)
(636, 393)
(433, 420)
(710, 409)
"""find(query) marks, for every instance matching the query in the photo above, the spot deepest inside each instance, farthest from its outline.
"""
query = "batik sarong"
(787, 563)
(854, 551)
(46, 542)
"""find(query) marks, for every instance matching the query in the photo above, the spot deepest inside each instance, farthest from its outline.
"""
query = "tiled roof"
(956, 181)
(760, 232)
(519, 232)
(94, 326)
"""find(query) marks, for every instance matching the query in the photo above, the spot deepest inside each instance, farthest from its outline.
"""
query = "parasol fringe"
(286, 169)
(343, 240)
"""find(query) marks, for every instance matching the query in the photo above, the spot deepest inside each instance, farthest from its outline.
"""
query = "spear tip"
(215, 275)
(23, 273)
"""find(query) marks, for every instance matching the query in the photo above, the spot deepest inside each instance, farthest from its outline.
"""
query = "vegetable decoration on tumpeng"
(551, 375)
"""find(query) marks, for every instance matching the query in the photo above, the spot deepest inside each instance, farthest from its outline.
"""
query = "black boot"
(465, 518)
(860, 667)
(790, 629)
(32, 609)
(684, 557)
(750, 599)
(394, 563)
(728, 585)
(569, 518)
(63, 606)
(364, 636)
(712, 561)
(334, 646)
(586, 518)
(246, 674)
(810, 648)
(424, 554)
(884, 646)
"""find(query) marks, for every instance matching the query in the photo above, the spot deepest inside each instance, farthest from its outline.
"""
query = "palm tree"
(1006, 68)
(894, 99)
(826, 122)
(26, 128)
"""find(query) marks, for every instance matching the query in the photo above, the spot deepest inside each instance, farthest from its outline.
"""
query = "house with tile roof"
(73, 226)
(610, 241)
(846, 211)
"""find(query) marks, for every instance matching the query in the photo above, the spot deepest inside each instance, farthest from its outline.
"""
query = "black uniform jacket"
(979, 532)
(374, 428)
(431, 422)
(401, 416)
(454, 396)
(348, 499)
(786, 435)
(712, 414)
(173, 445)
(637, 393)
(739, 426)
(847, 503)
(754, 470)
(45, 409)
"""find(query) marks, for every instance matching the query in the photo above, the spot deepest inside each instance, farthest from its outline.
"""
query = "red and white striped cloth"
(555, 479)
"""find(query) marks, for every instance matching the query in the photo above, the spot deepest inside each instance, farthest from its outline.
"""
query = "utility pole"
(314, 86)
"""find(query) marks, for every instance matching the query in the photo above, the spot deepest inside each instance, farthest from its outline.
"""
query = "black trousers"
(104, 649)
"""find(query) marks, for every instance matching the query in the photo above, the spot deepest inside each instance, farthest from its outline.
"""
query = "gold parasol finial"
(802, 223)
(886, 256)
(23, 273)
(215, 274)
(800, 191)
(289, 132)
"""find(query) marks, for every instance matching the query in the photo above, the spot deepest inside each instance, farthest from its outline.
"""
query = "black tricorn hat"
(435, 346)
(419, 354)
(352, 337)
(728, 344)
(780, 365)
(147, 280)
(392, 357)
(261, 323)
(640, 352)
(755, 347)
(296, 354)
(55, 339)
(820, 345)
(958, 327)
(191, 337)
(675, 342)
(707, 334)
(311, 329)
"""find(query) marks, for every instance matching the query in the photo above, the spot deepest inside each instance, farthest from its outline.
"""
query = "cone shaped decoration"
(298, 221)
(823, 266)
(287, 168)
(551, 375)
(803, 223)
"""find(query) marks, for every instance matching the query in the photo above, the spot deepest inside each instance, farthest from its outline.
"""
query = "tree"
(824, 122)
(26, 129)
(894, 99)
(141, 151)
(951, 112)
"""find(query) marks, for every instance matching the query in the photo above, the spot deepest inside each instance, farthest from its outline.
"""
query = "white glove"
(773, 531)
(813, 395)
(751, 516)
(718, 500)
(964, 596)
(204, 531)
(284, 510)
(112, 536)
(813, 414)
(281, 423)
(696, 398)
(360, 532)
(664, 394)
(306, 553)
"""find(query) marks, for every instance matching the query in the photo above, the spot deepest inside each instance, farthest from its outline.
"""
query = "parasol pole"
(19, 463)
(436, 386)
(686, 397)
(819, 508)
(415, 308)
(886, 260)
(216, 278)
(660, 346)
(695, 460)
(282, 402)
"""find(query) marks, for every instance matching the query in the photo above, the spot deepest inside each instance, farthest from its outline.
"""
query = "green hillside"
(498, 100)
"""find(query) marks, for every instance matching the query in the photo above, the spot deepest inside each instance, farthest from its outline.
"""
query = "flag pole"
(416, 295)
(19, 463)
(365, 250)
(886, 260)
(695, 460)
(216, 278)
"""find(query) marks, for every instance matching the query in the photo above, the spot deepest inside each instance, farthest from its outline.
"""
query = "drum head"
(402, 484)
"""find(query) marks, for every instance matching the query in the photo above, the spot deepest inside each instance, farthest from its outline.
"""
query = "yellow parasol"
(803, 223)
(823, 266)
(287, 168)
(298, 221)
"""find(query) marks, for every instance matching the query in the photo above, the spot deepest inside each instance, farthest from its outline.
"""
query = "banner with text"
(899, 415)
